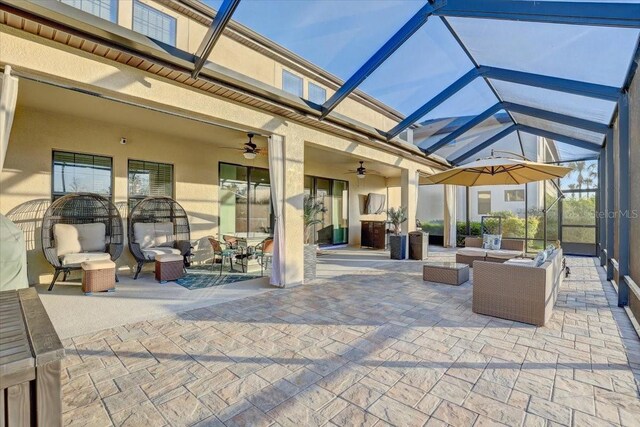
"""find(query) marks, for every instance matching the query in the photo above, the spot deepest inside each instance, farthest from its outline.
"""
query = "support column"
(624, 205)
(610, 204)
(292, 190)
(409, 198)
(602, 208)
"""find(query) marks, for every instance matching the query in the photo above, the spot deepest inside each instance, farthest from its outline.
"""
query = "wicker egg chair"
(166, 214)
(80, 210)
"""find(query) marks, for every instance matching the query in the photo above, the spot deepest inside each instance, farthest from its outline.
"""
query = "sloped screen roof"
(473, 66)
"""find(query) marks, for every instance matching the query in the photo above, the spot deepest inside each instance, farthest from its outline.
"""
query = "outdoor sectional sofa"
(473, 251)
(516, 290)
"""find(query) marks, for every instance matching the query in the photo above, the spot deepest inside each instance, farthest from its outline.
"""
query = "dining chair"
(218, 250)
(264, 253)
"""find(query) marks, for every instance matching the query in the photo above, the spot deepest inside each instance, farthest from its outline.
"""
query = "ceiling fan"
(250, 150)
(362, 171)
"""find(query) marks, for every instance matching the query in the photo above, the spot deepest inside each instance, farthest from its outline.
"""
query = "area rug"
(199, 277)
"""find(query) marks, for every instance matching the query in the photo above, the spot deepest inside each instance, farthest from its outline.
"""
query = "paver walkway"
(363, 349)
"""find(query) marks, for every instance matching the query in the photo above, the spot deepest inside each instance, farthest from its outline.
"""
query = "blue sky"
(340, 35)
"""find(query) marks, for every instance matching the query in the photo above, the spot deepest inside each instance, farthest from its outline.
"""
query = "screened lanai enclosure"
(546, 80)
(461, 79)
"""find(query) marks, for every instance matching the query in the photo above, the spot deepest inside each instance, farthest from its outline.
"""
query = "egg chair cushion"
(76, 238)
(72, 260)
(153, 234)
(151, 253)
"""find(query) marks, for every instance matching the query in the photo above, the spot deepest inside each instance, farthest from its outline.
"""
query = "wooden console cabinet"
(373, 234)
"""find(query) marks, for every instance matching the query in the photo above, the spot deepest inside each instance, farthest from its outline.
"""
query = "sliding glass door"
(334, 224)
(324, 230)
(245, 200)
(340, 211)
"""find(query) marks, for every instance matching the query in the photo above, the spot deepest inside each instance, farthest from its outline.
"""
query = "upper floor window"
(484, 202)
(317, 94)
(292, 83)
(149, 179)
(514, 195)
(105, 9)
(75, 173)
(153, 23)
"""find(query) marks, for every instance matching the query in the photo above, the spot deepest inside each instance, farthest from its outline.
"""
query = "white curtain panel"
(276, 176)
(8, 98)
(450, 216)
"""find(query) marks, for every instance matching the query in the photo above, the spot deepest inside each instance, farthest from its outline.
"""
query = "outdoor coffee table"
(451, 273)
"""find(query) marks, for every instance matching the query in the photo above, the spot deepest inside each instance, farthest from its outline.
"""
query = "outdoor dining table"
(247, 243)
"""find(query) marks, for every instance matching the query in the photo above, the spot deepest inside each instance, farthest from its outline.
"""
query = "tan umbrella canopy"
(498, 171)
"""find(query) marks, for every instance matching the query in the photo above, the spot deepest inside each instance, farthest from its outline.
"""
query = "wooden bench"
(30, 362)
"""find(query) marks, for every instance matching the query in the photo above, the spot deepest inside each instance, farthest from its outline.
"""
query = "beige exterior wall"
(26, 178)
(27, 170)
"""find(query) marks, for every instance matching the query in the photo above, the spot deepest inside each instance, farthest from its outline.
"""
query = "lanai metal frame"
(619, 15)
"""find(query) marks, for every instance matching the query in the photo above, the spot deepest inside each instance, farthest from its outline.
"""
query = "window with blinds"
(105, 9)
(292, 83)
(153, 23)
(149, 179)
(75, 173)
(317, 94)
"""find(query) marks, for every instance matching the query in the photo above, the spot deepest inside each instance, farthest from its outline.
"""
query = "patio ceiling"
(127, 118)
(455, 68)
(342, 162)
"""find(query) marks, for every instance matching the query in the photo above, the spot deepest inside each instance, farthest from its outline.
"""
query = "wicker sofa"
(516, 291)
(473, 251)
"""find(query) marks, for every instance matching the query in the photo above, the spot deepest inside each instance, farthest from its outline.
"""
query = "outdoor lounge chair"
(517, 289)
(80, 227)
(473, 251)
(158, 225)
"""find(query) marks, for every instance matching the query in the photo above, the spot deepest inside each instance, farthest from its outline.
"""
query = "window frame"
(139, 198)
(172, 19)
(114, 8)
(55, 195)
(248, 181)
(309, 84)
(518, 190)
(478, 202)
(285, 72)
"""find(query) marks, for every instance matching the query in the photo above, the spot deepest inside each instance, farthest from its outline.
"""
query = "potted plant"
(397, 242)
(311, 209)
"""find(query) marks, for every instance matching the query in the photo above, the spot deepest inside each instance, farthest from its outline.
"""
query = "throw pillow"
(491, 241)
(540, 258)
(549, 250)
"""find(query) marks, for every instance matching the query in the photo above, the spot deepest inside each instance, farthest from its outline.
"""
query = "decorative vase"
(310, 261)
(398, 246)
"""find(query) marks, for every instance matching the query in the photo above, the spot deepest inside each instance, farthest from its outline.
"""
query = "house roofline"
(138, 51)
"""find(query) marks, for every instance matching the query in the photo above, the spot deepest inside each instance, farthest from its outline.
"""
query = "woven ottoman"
(98, 276)
(451, 273)
(169, 267)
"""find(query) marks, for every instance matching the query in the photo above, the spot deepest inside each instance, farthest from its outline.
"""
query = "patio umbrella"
(498, 171)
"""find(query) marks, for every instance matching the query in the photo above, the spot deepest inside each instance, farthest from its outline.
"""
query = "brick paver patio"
(363, 349)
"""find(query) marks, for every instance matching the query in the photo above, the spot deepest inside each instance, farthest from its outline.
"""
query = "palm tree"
(586, 174)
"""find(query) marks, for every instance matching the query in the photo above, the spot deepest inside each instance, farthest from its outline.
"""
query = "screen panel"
(337, 35)
(559, 128)
(592, 54)
(420, 69)
(583, 107)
